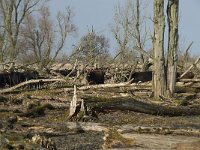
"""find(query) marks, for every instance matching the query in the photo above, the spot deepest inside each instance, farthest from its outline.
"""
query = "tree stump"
(78, 110)
(73, 104)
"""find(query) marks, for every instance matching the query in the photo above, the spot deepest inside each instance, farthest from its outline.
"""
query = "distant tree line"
(29, 34)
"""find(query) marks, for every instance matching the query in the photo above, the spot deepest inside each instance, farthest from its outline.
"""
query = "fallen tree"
(131, 104)
(30, 82)
(192, 66)
(189, 80)
(99, 86)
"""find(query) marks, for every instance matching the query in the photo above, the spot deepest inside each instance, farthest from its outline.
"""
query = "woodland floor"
(114, 129)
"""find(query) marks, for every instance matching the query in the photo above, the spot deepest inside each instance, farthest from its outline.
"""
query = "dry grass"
(113, 139)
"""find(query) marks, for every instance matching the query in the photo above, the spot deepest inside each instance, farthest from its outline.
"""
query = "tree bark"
(159, 81)
(172, 14)
(131, 104)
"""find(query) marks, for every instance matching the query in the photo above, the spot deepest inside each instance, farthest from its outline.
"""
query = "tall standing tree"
(159, 77)
(164, 77)
(172, 18)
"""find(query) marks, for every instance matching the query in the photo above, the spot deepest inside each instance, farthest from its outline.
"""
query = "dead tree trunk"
(131, 104)
(73, 103)
(172, 14)
(78, 110)
(137, 27)
(87, 87)
(159, 81)
(29, 82)
(193, 65)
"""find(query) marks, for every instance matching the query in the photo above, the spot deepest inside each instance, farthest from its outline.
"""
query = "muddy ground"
(38, 119)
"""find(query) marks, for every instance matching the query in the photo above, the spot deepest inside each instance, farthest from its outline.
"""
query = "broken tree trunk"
(172, 18)
(73, 104)
(194, 64)
(79, 111)
(73, 70)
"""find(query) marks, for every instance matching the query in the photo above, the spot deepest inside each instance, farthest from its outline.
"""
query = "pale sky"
(99, 14)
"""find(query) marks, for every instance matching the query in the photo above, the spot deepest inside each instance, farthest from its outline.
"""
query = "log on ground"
(131, 104)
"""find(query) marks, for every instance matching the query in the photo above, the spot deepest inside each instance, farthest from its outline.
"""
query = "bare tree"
(92, 49)
(13, 13)
(172, 14)
(139, 33)
(165, 76)
(65, 27)
(159, 78)
(120, 31)
(46, 39)
(130, 32)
